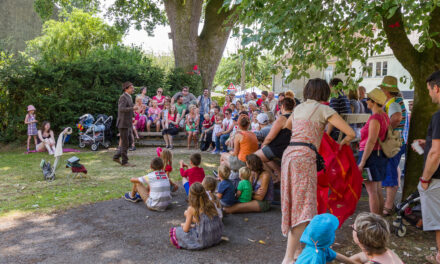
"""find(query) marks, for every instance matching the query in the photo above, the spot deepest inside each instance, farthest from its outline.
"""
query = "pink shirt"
(384, 122)
(154, 112)
(159, 101)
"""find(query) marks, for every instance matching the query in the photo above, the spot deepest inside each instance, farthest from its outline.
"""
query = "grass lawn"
(23, 188)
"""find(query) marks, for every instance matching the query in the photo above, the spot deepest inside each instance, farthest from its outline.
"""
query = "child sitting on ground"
(371, 233)
(167, 158)
(192, 174)
(206, 124)
(244, 189)
(203, 227)
(226, 190)
(210, 183)
(318, 236)
(153, 189)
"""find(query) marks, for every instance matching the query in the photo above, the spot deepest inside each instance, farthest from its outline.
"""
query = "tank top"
(172, 117)
(256, 184)
(38, 138)
(384, 122)
(248, 145)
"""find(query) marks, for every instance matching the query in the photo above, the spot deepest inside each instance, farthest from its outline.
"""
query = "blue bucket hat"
(320, 233)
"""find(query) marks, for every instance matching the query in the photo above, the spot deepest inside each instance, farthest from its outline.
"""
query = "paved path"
(117, 231)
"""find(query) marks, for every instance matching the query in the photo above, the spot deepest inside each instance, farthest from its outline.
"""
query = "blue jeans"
(221, 140)
(202, 118)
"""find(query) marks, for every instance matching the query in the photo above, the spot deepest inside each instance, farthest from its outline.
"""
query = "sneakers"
(135, 199)
(132, 149)
(215, 152)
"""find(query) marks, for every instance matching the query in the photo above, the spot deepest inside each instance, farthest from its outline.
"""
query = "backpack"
(392, 143)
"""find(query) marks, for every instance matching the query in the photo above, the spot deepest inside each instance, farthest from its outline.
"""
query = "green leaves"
(73, 37)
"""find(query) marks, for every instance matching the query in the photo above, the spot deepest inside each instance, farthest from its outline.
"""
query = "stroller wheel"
(82, 145)
(401, 231)
(94, 147)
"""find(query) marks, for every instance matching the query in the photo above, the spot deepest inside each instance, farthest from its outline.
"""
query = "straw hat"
(389, 83)
(31, 108)
(377, 96)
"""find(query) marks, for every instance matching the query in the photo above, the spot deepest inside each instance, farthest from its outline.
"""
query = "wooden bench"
(155, 139)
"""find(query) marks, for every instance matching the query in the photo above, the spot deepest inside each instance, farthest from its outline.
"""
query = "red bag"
(340, 184)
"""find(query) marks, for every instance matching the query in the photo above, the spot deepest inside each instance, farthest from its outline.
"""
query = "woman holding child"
(299, 170)
(245, 143)
(262, 186)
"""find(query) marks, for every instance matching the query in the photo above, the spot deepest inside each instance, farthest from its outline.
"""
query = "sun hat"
(262, 118)
(378, 96)
(320, 233)
(389, 83)
(31, 108)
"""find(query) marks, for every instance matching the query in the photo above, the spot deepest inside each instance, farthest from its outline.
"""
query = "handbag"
(320, 163)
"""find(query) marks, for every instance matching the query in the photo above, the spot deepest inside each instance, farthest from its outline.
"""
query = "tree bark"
(420, 66)
(207, 49)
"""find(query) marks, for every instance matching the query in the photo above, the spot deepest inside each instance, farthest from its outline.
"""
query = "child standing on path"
(31, 122)
(153, 189)
(244, 189)
(226, 189)
(192, 174)
(203, 227)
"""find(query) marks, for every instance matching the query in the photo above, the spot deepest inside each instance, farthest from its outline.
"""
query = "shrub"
(63, 91)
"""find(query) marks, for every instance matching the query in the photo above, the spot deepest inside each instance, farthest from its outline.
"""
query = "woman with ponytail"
(203, 227)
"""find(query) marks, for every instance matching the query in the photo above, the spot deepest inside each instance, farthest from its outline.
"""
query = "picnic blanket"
(340, 184)
(64, 150)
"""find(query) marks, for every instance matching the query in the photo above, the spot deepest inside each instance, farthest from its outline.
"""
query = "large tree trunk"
(420, 65)
(207, 49)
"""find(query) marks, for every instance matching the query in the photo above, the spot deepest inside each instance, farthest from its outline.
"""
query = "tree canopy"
(74, 36)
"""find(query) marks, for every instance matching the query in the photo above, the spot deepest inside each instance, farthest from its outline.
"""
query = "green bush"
(177, 78)
(64, 91)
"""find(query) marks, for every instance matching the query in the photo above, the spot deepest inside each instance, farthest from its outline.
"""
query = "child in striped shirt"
(153, 188)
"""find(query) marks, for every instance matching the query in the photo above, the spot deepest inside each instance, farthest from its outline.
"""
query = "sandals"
(432, 259)
(388, 212)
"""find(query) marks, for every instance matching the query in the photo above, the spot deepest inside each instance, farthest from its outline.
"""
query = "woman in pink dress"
(298, 167)
(160, 99)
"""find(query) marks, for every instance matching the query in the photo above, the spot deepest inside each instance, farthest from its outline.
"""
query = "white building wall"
(394, 68)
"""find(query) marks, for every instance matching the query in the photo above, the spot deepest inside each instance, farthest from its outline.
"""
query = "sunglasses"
(160, 91)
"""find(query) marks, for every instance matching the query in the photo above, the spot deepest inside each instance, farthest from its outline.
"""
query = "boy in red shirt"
(193, 174)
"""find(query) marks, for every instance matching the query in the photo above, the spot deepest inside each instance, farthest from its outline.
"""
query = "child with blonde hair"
(31, 122)
(254, 125)
(210, 183)
(244, 189)
(167, 158)
(203, 227)
(226, 189)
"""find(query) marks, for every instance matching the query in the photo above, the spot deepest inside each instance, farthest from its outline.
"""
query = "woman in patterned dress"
(298, 168)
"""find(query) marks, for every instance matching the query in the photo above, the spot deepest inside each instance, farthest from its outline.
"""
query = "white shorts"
(430, 200)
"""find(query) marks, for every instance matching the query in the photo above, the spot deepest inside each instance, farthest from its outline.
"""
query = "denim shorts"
(267, 151)
(376, 164)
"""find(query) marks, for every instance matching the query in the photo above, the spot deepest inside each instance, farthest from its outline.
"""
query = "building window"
(378, 69)
(285, 75)
(384, 68)
(328, 73)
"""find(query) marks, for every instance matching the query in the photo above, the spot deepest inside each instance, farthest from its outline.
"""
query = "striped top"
(160, 195)
(341, 104)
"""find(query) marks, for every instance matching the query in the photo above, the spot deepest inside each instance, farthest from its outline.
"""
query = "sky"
(159, 43)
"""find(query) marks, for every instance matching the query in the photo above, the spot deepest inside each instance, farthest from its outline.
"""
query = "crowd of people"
(269, 145)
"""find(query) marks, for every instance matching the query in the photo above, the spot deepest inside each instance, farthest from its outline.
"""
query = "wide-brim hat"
(389, 83)
(378, 96)
(31, 108)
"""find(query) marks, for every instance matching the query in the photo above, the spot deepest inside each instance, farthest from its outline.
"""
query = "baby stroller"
(411, 211)
(94, 133)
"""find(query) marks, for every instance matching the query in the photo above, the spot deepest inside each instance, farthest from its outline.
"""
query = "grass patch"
(24, 189)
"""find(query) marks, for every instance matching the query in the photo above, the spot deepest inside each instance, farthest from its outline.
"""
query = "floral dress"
(298, 167)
